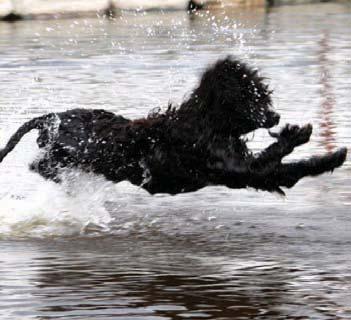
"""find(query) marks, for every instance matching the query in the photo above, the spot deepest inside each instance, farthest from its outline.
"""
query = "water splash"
(74, 208)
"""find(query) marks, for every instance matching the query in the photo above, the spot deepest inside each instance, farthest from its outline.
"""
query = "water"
(90, 249)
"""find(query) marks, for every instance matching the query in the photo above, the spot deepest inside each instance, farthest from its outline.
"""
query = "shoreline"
(11, 11)
(22, 10)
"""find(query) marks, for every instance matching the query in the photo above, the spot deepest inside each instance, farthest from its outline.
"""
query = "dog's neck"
(193, 114)
(189, 124)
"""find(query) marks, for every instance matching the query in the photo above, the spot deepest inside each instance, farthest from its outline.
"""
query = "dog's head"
(235, 97)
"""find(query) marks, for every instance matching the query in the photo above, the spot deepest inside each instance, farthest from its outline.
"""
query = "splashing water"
(74, 208)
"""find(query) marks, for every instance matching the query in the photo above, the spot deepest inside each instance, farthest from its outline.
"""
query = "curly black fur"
(182, 149)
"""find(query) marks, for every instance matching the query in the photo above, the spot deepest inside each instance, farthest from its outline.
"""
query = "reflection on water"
(328, 103)
(176, 279)
(94, 250)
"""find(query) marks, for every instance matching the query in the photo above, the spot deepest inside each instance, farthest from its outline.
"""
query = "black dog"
(183, 149)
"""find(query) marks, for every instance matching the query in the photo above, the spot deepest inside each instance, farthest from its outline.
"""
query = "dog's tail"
(35, 123)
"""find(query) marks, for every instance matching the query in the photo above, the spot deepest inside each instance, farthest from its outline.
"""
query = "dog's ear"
(236, 83)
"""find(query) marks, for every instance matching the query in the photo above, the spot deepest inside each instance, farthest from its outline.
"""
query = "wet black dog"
(183, 149)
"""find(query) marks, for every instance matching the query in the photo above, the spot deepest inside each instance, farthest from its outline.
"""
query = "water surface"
(94, 250)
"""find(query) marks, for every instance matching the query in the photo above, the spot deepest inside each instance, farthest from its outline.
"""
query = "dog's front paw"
(294, 134)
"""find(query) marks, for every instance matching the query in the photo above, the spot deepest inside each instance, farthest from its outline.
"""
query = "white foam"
(73, 208)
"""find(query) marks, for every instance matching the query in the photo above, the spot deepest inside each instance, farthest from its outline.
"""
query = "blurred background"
(90, 249)
(29, 9)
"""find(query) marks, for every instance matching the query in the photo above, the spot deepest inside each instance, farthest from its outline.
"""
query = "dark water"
(93, 250)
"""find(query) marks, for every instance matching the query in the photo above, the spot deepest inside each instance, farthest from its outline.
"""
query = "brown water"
(94, 250)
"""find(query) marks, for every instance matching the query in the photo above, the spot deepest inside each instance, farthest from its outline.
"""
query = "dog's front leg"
(284, 175)
(288, 174)
(288, 138)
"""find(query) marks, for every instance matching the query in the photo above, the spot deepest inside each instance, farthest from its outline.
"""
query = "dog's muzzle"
(272, 119)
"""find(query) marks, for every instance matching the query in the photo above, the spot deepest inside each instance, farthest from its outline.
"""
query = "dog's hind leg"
(47, 168)
(290, 173)
(289, 137)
